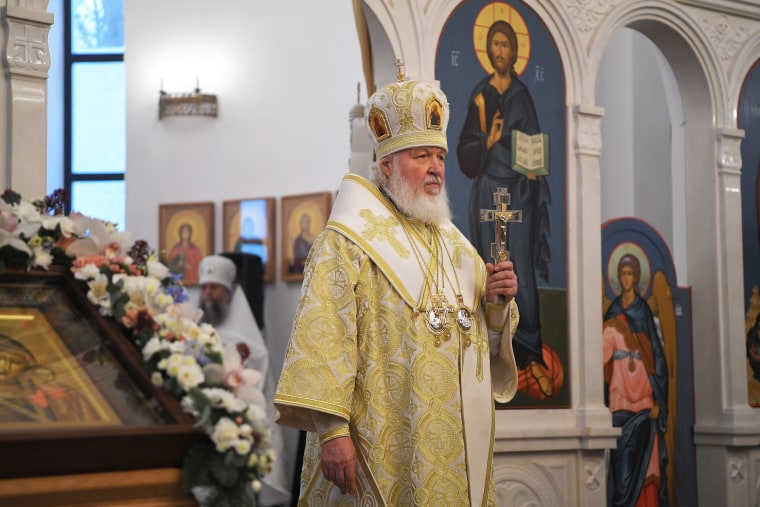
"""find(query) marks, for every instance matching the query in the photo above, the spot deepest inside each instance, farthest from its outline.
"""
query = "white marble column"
(26, 24)
(727, 431)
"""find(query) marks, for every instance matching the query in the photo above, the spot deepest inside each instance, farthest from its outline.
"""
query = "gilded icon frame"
(295, 241)
(173, 218)
(258, 214)
(78, 358)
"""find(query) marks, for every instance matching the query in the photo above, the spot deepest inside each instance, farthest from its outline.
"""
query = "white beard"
(415, 203)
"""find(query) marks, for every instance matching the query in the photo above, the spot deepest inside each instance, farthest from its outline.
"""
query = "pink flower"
(8, 221)
(80, 262)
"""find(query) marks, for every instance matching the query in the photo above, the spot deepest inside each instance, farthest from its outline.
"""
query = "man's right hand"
(339, 462)
(495, 134)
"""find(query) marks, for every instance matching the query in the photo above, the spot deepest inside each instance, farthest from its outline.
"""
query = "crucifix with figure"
(501, 215)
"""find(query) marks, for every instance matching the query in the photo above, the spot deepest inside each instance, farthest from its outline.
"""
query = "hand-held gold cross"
(501, 215)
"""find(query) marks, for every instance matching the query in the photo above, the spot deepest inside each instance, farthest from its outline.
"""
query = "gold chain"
(438, 309)
(451, 263)
(430, 279)
(464, 315)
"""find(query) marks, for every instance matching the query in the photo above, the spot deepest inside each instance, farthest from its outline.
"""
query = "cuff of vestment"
(332, 434)
(496, 316)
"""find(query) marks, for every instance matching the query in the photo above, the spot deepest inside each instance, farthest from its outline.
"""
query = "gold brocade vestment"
(421, 416)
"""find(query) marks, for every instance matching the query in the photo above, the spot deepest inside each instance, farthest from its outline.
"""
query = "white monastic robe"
(420, 406)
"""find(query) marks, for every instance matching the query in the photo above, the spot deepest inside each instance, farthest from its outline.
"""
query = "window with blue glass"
(95, 110)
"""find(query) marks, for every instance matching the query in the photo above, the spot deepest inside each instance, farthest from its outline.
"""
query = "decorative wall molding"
(594, 475)
(588, 13)
(725, 34)
(528, 483)
(737, 469)
(743, 8)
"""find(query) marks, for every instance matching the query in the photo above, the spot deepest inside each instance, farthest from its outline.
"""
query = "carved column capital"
(26, 25)
(729, 150)
(588, 139)
(27, 51)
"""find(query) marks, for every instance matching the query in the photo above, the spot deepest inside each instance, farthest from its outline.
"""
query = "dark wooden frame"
(231, 233)
(292, 207)
(199, 214)
(55, 451)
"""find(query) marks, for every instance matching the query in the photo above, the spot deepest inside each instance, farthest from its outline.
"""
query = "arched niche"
(643, 161)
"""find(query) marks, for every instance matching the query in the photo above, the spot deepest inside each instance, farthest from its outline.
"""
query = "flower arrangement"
(133, 286)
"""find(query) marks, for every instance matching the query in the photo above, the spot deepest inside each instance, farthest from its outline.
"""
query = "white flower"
(174, 363)
(101, 240)
(151, 347)
(87, 272)
(222, 398)
(242, 447)
(188, 405)
(225, 434)
(153, 289)
(163, 300)
(238, 405)
(42, 258)
(157, 269)
(157, 379)
(68, 227)
(219, 398)
(134, 286)
(256, 411)
(187, 310)
(27, 212)
(243, 381)
(245, 430)
(189, 376)
(6, 238)
(256, 485)
(98, 293)
(177, 348)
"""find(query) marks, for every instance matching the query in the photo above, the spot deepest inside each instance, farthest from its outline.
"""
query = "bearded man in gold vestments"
(402, 336)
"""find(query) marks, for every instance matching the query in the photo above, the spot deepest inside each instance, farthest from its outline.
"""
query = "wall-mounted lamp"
(193, 103)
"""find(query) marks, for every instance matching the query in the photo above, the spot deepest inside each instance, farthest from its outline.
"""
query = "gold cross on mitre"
(400, 67)
(501, 215)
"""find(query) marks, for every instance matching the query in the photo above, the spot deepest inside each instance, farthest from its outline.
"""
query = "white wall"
(285, 74)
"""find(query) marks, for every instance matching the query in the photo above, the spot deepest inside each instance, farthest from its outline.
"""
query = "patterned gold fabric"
(360, 351)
